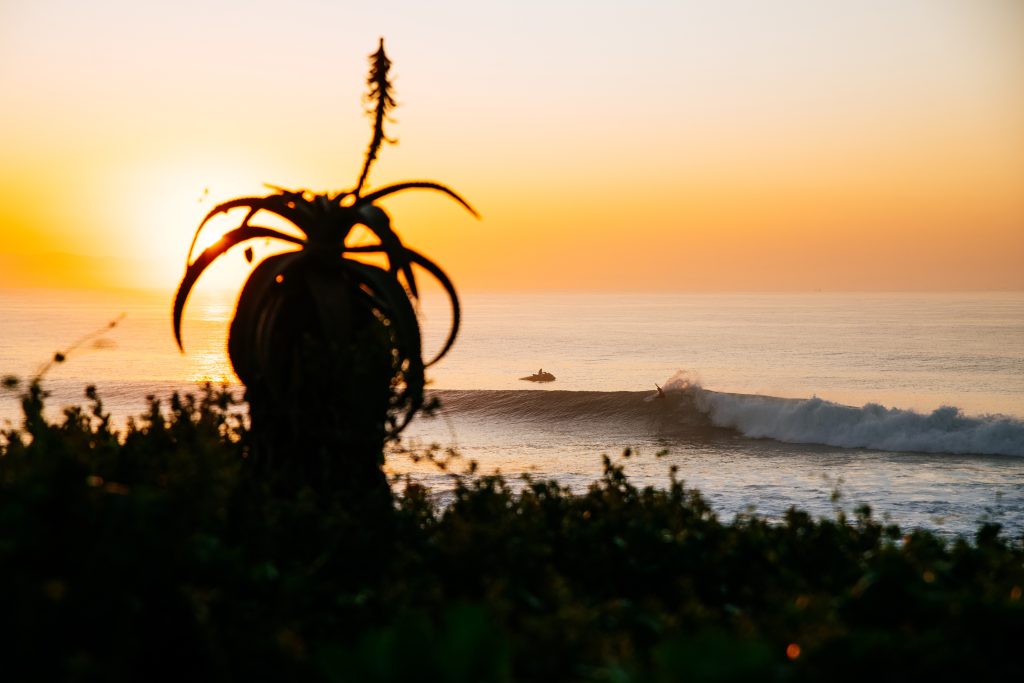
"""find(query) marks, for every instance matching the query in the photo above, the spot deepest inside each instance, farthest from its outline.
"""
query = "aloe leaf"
(399, 311)
(209, 255)
(277, 204)
(396, 305)
(378, 222)
(249, 339)
(291, 206)
(418, 185)
(442, 277)
(213, 212)
(365, 249)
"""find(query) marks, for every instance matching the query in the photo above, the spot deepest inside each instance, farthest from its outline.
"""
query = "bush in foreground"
(154, 553)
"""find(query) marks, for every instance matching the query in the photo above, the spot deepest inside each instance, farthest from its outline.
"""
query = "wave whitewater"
(689, 409)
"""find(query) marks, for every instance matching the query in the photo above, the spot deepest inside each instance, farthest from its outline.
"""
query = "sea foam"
(817, 421)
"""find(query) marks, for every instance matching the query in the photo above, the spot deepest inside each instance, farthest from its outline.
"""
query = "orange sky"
(609, 145)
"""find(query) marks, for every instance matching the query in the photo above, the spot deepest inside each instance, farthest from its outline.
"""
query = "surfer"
(661, 392)
(540, 376)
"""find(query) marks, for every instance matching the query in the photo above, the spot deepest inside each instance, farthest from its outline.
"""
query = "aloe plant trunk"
(317, 366)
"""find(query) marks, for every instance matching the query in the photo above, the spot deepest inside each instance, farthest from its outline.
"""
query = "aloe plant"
(327, 344)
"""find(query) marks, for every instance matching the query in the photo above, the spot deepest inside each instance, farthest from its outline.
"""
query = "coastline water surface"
(912, 403)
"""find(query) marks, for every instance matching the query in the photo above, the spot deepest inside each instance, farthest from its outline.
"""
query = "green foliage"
(153, 553)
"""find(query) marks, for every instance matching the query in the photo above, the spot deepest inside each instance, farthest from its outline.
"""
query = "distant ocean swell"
(689, 409)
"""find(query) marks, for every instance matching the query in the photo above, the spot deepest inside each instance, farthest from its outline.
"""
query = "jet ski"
(539, 377)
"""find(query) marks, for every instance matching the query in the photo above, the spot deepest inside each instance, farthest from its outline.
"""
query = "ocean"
(912, 403)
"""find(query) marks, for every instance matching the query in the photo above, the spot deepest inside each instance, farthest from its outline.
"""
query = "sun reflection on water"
(213, 366)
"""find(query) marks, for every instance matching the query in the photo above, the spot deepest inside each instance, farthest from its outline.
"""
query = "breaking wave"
(689, 409)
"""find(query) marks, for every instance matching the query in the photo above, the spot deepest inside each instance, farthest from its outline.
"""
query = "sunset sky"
(610, 145)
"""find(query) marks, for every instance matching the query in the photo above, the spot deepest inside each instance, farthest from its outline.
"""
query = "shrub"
(153, 553)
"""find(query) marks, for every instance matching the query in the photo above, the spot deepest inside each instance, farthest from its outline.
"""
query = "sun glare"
(170, 201)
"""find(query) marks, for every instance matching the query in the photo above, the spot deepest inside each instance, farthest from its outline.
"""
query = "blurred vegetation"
(154, 553)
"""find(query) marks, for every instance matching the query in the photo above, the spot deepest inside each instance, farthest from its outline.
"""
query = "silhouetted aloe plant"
(327, 345)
